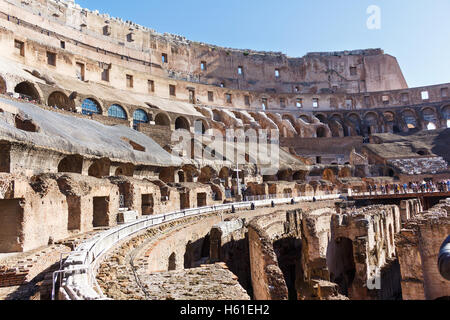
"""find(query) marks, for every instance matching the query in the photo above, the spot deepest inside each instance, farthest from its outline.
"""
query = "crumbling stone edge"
(78, 281)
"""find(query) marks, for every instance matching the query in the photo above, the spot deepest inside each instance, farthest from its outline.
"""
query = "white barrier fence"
(77, 275)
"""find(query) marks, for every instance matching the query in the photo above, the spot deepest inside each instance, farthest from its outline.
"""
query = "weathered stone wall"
(418, 249)
(267, 278)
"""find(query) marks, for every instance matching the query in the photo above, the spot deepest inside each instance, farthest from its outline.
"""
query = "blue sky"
(417, 32)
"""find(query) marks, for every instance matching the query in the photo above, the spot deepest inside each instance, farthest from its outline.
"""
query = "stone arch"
(299, 175)
(181, 176)
(328, 175)
(172, 263)
(162, 119)
(340, 124)
(371, 121)
(125, 169)
(207, 174)
(224, 173)
(28, 90)
(345, 173)
(354, 117)
(167, 175)
(322, 117)
(446, 114)
(305, 118)
(100, 168)
(218, 193)
(430, 118)
(290, 118)
(60, 100)
(117, 111)
(71, 164)
(139, 116)
(3, 88)
(409, 117)
(216, 115)
(341, 263)
(391, 124)
(91, 106)
(181, 123)
(190, 172)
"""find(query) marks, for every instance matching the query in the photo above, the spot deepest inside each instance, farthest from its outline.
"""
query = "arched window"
(28, 91)
(162, 119)
(116, 111)
(182, 123)
(61, 101)
(139, 116)
(90, 106)
(410, 119)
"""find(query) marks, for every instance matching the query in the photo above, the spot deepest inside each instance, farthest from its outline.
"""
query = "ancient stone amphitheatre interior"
(136, 165)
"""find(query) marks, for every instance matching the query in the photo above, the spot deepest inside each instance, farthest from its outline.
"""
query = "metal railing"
(401, 192)
(77, 276)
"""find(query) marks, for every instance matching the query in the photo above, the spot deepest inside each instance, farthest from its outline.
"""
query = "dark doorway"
(201, 200)
(11, 218)
(172, 262)
(74, 218)
(100, 214)
(147, 204)
(342, 265)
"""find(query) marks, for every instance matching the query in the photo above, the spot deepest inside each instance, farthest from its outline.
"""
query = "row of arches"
(388, 121)
(340, 125)
(90, 106)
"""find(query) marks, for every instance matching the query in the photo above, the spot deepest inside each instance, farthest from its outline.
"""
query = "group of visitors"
(411, 187)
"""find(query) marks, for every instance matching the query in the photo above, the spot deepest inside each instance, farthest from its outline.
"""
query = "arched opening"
(61, 101)
(100, 212)
(207, 174)
(342, 264)
(216, 116)
(321, 132)
(304, 118)
(27, 91)
(90, 106)
(322, 118)
(172, 262)
(139, 116)
(371, 120)
(446, 114)
(116, 111)
(430, 118)
(125, 169)
(71, 164)
(182, 123)
(345, 173)
(299, 176)
(200, 127)
(162, 119)
(217, 193)
(100, 168)
(181, 177)
(2, 86)
(328, 175)
(410, 119)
